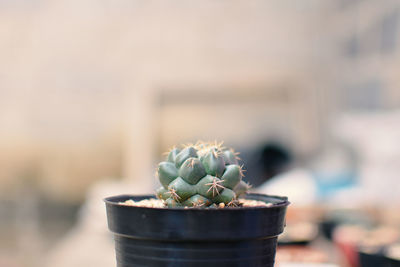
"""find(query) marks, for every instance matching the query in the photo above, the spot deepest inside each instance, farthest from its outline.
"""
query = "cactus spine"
(201, 175)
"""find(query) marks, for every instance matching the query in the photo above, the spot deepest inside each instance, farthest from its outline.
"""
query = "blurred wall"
(98, 89)
(363, 37)
(78, 77)
(90, 89)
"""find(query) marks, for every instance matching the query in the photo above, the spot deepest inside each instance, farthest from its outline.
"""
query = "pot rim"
(284, 202)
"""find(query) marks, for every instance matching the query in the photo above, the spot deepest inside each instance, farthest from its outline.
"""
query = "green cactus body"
(200, 175)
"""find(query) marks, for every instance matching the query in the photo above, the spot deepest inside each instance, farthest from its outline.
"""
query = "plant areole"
(201, 175)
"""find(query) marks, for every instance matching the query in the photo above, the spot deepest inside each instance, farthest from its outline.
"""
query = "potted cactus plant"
(202, 215)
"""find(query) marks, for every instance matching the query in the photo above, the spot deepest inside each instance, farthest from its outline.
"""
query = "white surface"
(298, 185)
(376, 138)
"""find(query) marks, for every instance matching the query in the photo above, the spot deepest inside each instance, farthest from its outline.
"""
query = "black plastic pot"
(372, 259)
(327, 228)
(377, 259)
(393, 262)
(196, 237)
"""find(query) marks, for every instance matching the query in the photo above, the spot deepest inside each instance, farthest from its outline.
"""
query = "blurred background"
(93, 92)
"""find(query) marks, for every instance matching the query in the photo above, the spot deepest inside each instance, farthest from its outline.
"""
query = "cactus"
(201, 175)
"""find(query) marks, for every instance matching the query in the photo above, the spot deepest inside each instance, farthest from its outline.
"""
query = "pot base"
(135, 252)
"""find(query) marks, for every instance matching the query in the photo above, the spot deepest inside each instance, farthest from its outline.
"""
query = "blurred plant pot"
(370, 259)
(327, 228)
(242, 236)
(393, 262)
(377, 259)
